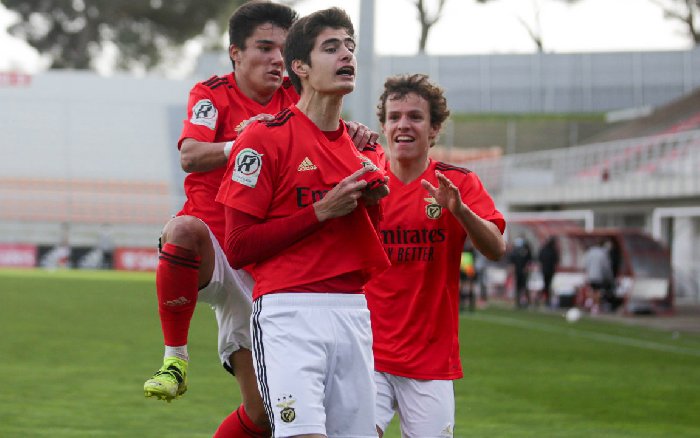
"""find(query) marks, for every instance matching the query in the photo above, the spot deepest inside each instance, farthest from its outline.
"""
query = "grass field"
(77, 346)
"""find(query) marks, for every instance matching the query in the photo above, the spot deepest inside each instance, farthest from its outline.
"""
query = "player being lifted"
(298, 207)
(192, 266)
(432, 208)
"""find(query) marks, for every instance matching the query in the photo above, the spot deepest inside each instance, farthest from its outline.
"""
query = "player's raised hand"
(446, 193)
(342, 199)
(262, 117)
(361, 135)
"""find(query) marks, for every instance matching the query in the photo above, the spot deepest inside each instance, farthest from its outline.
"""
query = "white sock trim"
(180, 352)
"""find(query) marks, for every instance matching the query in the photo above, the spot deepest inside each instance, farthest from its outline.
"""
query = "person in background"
(520, 257)
(599, 274)
(548, 257)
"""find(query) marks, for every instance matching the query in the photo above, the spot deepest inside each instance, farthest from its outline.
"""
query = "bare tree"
(686, 11)
(534, 28)
(427, 21)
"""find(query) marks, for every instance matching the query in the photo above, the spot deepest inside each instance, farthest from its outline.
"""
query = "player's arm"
(202, 156)
(485, 235)
(250, 239)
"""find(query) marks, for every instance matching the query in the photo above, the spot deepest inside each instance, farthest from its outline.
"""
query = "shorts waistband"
(335, 300)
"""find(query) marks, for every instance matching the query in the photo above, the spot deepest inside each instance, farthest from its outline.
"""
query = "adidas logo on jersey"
(306, 164)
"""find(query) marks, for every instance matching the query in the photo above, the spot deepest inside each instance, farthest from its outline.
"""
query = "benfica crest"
(287, 412)
(433, 210)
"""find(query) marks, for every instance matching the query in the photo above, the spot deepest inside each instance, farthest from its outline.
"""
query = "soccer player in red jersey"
(192, 266)
(431, 210)
(301, 203)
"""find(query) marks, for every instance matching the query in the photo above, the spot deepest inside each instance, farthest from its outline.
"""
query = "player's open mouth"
(347, 71)
(403, 139)
(276, 73)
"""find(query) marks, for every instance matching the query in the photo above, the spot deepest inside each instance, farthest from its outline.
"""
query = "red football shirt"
(215, 108)
(281, 166)
(415, 303)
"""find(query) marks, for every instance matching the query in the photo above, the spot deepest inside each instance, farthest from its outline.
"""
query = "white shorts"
(426, 407)
(230, 294)
(314, 363)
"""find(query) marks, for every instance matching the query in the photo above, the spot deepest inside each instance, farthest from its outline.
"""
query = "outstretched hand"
(446, 193)
(342, 199)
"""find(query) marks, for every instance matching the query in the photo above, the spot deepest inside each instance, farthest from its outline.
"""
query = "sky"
(470, 28)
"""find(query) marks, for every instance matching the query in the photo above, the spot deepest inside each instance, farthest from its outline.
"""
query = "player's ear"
(434, 131)
(300, 68)
(234, 52)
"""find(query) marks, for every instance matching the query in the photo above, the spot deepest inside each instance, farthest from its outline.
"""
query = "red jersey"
(281, 166)
(215, 108)
(414, 304)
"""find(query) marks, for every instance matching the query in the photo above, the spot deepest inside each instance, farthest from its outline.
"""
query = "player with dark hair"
(431, 210)
(192, 266)
(300, 204)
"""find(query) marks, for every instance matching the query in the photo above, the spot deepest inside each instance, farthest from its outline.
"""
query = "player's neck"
(322, 109)
(261, 97)
(408, 171)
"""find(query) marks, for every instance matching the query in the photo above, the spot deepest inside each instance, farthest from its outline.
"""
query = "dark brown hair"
(302, 37)
(397, 87)
(252, 14)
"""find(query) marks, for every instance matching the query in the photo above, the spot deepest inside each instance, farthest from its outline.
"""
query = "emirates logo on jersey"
(433, 210)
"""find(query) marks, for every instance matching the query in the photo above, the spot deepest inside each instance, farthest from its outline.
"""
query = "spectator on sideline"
(298, 205)
(548, 256)
(599, 274)
(520, 257)
(431, 209)
(610, 300)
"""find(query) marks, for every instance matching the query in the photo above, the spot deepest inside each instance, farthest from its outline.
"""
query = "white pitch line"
(613, 339)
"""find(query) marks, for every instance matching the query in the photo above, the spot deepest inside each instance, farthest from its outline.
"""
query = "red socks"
(239, 425)
(177, 284)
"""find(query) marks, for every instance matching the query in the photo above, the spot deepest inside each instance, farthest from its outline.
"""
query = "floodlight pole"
(363, 98)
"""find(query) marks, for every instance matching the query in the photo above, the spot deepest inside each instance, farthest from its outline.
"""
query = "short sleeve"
(248, 183)
(202, 116)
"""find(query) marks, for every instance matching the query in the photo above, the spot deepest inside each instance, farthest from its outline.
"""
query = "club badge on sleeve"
(248, 166)
(204, 113)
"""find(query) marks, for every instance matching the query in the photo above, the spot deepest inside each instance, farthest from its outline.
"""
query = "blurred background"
(582, 119)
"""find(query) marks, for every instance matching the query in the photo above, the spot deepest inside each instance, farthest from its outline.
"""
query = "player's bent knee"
(187, 232)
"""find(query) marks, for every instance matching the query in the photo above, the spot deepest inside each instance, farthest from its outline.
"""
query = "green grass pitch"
(76, 347)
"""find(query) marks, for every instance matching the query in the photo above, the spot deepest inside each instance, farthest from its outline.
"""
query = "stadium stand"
(84, 201)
